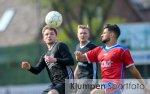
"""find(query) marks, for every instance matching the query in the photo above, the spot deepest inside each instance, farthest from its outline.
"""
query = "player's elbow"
(34, 71)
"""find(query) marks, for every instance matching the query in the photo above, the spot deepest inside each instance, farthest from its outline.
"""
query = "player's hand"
(78, 54)
(25, 65)
(146, 90)
(50, 59)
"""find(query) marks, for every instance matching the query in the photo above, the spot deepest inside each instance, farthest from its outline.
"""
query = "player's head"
(110, 33)
(49, 34)
(83, 33)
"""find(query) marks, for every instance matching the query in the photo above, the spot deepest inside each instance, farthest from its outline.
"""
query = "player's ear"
(112, 35)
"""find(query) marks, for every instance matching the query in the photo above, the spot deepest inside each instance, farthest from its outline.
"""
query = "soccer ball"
(53, 19)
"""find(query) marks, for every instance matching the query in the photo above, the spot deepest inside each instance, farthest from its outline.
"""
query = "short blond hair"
(83, 27)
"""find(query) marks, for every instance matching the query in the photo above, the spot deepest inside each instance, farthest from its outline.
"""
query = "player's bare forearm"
(136, 74)
(76, 72)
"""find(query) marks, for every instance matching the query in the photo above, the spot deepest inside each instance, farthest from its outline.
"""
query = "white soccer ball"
(53, 19)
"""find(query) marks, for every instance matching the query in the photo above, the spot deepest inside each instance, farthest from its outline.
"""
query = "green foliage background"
(93, 12)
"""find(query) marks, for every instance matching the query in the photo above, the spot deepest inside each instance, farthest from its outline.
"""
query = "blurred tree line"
(76, 12)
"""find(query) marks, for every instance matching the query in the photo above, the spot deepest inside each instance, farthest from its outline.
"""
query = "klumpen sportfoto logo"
(89, 84)
(129, 85)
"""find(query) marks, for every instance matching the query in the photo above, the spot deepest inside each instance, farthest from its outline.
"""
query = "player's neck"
(50, 45)
(83, 43)
(111, 43)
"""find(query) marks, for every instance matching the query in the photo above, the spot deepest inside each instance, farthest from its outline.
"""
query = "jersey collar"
(109, 48)
(84, 45)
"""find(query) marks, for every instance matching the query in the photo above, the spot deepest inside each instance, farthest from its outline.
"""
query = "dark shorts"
(59, 87)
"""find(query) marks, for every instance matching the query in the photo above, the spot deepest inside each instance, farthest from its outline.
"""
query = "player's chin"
(104, 41)
(83, 40)
(48, 42)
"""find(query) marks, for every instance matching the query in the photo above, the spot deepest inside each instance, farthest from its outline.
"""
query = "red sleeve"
(127, 59)
(92, 55)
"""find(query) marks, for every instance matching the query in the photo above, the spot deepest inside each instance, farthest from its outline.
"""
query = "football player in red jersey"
(114, 60)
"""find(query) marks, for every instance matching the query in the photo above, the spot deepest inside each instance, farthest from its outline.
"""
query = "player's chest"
(109, 55)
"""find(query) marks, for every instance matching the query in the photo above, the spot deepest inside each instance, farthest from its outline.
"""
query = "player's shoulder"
(98, 48)
(121, 47)
(91, 45)
(61, 44)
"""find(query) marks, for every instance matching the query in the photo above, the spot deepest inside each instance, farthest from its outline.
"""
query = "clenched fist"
(78, 54)
(25, 65)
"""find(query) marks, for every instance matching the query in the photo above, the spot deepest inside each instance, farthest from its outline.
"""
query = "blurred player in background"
(114, 60)
(85, 70)
(56, 60)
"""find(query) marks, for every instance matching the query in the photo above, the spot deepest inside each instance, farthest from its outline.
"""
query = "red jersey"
(113, 61)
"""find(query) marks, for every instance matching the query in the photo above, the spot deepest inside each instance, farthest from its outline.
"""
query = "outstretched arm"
(138, 76)
(36, 69)
(136, 73)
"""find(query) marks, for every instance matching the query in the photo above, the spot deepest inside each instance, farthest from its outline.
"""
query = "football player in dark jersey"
(56, 60)
(85, 70)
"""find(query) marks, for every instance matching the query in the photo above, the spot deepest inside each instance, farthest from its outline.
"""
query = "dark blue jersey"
(86, 70)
